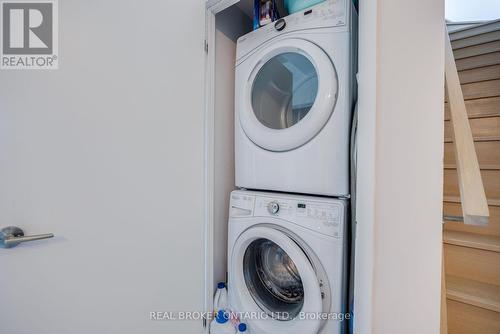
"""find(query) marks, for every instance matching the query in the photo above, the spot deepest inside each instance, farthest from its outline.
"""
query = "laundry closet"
(290, 168)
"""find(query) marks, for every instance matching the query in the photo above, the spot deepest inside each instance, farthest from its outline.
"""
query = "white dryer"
(286, 262)
(293, 102)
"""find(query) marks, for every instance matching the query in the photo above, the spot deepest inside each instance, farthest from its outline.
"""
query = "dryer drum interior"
(273, 279)
(284, 90)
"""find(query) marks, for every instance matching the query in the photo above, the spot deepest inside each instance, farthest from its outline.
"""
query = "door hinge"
(206, 46)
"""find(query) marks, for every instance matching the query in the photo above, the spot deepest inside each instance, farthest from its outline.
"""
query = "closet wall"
(229, 25)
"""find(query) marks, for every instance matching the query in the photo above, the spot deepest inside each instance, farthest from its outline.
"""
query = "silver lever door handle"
(12, 236)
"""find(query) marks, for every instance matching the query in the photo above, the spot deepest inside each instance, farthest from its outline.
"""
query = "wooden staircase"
(472, 253)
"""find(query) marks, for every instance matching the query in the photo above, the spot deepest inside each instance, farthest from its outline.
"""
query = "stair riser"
(482, 128)
(476, 40)
(488, 154)
(491, 182)
(467, 319)
(480, 74)
(474, 264)
(455, 209)
(476, 50)
(479, 90)
(478, 108)
(478, 61)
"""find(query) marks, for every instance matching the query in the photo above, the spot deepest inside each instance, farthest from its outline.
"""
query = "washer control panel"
(241, 204)
(326, 216)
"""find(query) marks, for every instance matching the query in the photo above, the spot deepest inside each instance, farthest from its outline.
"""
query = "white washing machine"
(293, 102)
(286, 262)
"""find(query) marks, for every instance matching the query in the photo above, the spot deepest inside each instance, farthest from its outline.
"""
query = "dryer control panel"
(328, 14)
(325, 216)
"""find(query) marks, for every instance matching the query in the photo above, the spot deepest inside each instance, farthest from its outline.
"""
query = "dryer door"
(273, 279)
(290, 93)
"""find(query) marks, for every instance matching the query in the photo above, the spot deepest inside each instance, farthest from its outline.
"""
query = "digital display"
(301, 206)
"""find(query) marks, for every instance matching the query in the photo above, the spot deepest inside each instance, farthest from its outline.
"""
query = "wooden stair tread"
(481, 166)
(472, 240)
(477, 139)
(456, 199)
(470, 292)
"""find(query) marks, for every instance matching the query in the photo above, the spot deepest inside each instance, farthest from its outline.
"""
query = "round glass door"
(273, 279)
(284, 90)
(286, 93)
(271, 275)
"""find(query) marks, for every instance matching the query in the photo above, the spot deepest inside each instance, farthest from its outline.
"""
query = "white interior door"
(106, 153)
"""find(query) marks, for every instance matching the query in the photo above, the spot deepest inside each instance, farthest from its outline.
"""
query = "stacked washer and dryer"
(287, 241)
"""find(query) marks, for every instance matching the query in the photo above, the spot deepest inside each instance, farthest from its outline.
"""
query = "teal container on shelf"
(293, 6)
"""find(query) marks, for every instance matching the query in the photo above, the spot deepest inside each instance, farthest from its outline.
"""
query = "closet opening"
(227, 21)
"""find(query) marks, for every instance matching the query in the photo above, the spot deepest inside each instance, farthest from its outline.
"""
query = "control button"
(280, 24)
(273, 207)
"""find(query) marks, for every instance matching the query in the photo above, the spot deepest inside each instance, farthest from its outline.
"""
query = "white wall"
(401, 90)
(223, 147)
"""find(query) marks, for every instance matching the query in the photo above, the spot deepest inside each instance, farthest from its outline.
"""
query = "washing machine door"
(289, 95)
(273, 280)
